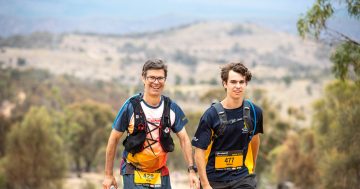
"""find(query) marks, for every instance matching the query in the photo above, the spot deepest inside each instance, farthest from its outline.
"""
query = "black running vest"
(134, 142)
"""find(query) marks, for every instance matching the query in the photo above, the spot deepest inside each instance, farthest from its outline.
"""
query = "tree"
(4, 129)
(336, 122)
(300, 151)
(88, 125)
(346, 57)
(178, 79)
(336, 119)
(34, 153)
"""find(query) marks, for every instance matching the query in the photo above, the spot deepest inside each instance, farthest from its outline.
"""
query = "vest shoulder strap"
(166, 112)
(222, 117)
(247, 117)
(250, 120)
(139, 116)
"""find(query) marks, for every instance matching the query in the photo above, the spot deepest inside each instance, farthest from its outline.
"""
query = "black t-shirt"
(234, 138)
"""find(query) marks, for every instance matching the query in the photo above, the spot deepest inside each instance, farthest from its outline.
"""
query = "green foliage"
(34, 40)
(32, 153)
(185, 58)
(275, 131)
(2, 173)
(21, 62)
(129, 47)
(177, 79)
(287, 80)
(176, 158)
(315, 19)
(5, 124)
(337, 127)
(43, 89)
(353, 7)
(346, 61)
(336, 118)
(191, 81)
(55, 93)
(213, 81)
(300, 151)
(346, 57)
(213, 95)
(240, 30)
(194, 118)
(88, 124)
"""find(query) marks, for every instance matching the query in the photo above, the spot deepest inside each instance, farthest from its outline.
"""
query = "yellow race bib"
(147, 179)
(228, 160)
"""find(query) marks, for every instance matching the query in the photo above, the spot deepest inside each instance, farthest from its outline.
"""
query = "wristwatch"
(192, 167)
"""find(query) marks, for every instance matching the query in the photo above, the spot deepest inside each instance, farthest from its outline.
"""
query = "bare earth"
(179, 180)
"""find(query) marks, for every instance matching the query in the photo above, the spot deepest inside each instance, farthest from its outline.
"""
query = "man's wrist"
(109, 174)
(192, 168)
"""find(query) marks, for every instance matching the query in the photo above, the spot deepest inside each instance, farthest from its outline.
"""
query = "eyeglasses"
(153, 79)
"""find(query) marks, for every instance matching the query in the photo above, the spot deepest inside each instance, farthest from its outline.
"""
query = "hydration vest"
(134, 142)
(248, 119)
(249, 123)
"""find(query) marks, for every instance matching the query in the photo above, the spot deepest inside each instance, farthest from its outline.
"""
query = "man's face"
(235, 85)
(154, 82)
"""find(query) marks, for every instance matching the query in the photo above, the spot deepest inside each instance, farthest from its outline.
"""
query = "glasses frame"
(153, 79)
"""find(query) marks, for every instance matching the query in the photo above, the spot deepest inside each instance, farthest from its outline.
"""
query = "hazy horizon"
(122, 17)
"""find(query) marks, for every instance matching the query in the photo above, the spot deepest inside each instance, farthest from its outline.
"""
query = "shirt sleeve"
(203, 134)
(180, 118)
(122, 120)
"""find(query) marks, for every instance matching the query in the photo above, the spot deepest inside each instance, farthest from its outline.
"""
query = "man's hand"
(194, 180)
(108, 181)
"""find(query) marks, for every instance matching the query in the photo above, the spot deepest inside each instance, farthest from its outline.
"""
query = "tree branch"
(344, 36)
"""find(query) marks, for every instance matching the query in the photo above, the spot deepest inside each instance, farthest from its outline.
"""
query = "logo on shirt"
(195, 139)
(245, 129)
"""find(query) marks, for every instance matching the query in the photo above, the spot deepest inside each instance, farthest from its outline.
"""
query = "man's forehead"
(235, 76)
(157, 72)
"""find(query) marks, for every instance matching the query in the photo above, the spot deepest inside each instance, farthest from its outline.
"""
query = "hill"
(291, 70)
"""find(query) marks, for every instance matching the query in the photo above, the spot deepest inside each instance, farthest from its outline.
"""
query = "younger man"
(227, 141)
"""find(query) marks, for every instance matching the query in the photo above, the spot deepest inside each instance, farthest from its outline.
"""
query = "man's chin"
(237, 96)
(155, 93)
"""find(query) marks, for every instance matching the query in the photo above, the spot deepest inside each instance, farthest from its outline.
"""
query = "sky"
(140, 10)
(137, 14)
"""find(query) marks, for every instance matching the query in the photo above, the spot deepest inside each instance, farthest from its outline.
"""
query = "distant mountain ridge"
(12, 25)
(189, 47)
(291, 69)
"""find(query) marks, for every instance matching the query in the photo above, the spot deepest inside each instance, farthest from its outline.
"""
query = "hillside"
(291, 70)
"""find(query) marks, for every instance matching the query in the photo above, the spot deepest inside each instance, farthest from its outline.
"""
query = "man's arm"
(187, 152)
(255, 144)
(201, 165)
(110, 155)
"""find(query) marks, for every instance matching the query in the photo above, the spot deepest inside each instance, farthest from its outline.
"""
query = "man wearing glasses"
(148, 118)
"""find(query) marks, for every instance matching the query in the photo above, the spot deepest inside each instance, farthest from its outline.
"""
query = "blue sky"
(276, 14)
(141, 10)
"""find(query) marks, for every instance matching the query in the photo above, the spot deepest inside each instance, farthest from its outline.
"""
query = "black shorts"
(248, 182)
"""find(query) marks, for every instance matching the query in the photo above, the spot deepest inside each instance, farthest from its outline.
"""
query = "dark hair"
(237, 67)
(154, 64)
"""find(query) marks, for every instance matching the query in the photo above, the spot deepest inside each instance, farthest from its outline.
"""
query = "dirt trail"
(179, 180)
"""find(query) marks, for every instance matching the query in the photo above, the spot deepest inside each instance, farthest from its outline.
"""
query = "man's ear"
(224, 83)
(143, 78)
